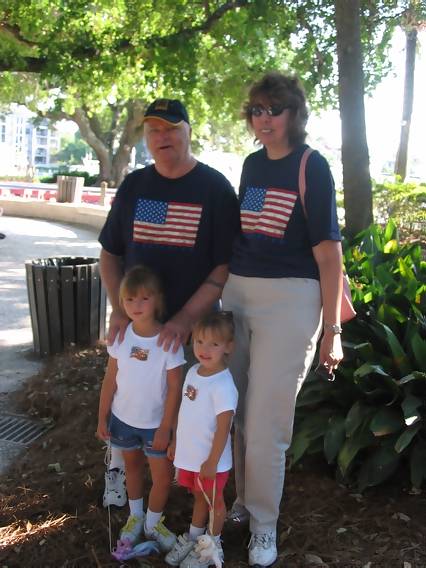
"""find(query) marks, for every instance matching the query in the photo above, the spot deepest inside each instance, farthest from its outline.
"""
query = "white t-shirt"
(141, 379)
(203, 398)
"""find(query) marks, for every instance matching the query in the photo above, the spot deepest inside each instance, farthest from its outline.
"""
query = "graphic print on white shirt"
(267, 211)
(197, 420)
(141, 379)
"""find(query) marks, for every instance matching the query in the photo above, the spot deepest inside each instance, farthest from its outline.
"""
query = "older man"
(177, 216)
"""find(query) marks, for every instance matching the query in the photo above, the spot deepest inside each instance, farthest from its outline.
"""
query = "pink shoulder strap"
(302, 176)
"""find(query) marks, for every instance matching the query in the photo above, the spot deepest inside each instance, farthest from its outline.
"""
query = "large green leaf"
(391, 231)
(312, 427)
(377, 467)
(359, 440)
(410, 407)
(386, 421)
(414, 376)
(418, 345)
(334, 437)
(357, 414)
(400, 358)
(298, 447)
(406, 437)
(369, 368)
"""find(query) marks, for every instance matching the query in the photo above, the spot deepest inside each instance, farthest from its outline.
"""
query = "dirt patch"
(51, 517)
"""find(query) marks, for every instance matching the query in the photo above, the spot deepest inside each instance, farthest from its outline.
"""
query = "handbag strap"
(302, 177)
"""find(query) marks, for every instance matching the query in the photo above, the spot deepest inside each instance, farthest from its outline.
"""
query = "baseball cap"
(169, 110)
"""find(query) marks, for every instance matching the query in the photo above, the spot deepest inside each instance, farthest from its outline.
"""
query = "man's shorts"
(189, 479)
(125, 437)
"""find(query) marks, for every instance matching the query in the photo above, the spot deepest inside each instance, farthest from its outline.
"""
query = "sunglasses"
(273, 110)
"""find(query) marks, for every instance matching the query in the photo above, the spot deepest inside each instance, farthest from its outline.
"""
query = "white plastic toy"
(207, 550)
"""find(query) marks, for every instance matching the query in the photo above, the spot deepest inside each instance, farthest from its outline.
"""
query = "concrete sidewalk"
(27, 239)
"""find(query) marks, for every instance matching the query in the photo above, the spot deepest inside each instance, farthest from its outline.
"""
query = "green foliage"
(89, 179)
(73, 150)
(403, 202)
(373, 417)
(70, 55)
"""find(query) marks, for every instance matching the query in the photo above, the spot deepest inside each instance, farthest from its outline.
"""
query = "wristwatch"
(333, 327)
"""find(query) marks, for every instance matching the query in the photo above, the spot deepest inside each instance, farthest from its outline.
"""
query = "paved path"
(28, 239)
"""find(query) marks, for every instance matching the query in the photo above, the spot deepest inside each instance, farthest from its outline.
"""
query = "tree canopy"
(99, 62)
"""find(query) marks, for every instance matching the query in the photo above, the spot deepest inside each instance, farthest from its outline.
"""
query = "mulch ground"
(51, 517)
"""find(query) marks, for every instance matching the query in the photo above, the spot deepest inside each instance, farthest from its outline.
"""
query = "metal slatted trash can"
(67, 303)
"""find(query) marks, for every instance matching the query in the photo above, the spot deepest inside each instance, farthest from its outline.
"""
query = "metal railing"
(58, 192)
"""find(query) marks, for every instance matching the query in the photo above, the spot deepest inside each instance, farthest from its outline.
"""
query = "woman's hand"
(331, 352)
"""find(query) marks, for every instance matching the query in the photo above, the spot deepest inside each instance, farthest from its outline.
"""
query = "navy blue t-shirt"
(277, 239)
(181, 228)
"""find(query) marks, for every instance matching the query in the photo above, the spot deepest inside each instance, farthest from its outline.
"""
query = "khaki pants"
(278, 322)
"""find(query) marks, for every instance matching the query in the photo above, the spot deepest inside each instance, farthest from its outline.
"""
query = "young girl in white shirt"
(139, 402)
(202, 450)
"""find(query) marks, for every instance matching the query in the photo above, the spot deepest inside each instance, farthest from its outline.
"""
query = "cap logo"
(161, 104)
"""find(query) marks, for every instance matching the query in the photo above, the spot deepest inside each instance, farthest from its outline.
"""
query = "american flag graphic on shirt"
(266, 211)
(163, 223)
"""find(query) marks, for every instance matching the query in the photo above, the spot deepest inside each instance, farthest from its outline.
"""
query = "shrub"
(373, 416)
(89, 180)
(405, 203)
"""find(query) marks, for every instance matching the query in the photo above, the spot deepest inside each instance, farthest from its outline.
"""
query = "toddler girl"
(139, 403)
(202, 451)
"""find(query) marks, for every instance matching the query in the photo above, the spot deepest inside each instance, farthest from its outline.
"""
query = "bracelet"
(334, 327)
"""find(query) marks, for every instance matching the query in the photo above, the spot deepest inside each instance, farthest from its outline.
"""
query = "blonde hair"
(221, 324)
(143, 277)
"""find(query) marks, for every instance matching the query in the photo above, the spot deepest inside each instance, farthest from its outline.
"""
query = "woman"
(284, 290)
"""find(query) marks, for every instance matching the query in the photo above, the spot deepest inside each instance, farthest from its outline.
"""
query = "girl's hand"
(171, 450)
(208, 470)
(331, 352)
(102, 431)
(161, 439)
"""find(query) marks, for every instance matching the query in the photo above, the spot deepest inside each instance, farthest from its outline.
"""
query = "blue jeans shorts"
(125, 437)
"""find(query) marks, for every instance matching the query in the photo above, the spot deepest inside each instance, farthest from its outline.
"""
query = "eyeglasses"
(273, 110)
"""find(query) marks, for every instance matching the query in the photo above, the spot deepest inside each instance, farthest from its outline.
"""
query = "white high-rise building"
(26, 148)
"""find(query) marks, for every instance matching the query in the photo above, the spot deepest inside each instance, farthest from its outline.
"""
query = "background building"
(27, 146)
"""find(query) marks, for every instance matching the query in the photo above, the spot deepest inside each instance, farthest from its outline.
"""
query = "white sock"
(152, 519)
(195, 532)
(216, 538)
(136, 507)
(117, 461)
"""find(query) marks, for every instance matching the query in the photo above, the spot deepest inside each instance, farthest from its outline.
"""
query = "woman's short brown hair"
(143, 277)
(278, 89)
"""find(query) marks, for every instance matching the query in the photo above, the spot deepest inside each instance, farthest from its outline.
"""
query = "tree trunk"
(105, 169)
(355, 160)
(120, 164)
(407, 109)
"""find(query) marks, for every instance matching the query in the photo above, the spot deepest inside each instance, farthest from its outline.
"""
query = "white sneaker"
(238, 515)
(262, 549)
(165, 538)
(133, 529)
(115, 488)
(194, 560)
(180, 551)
